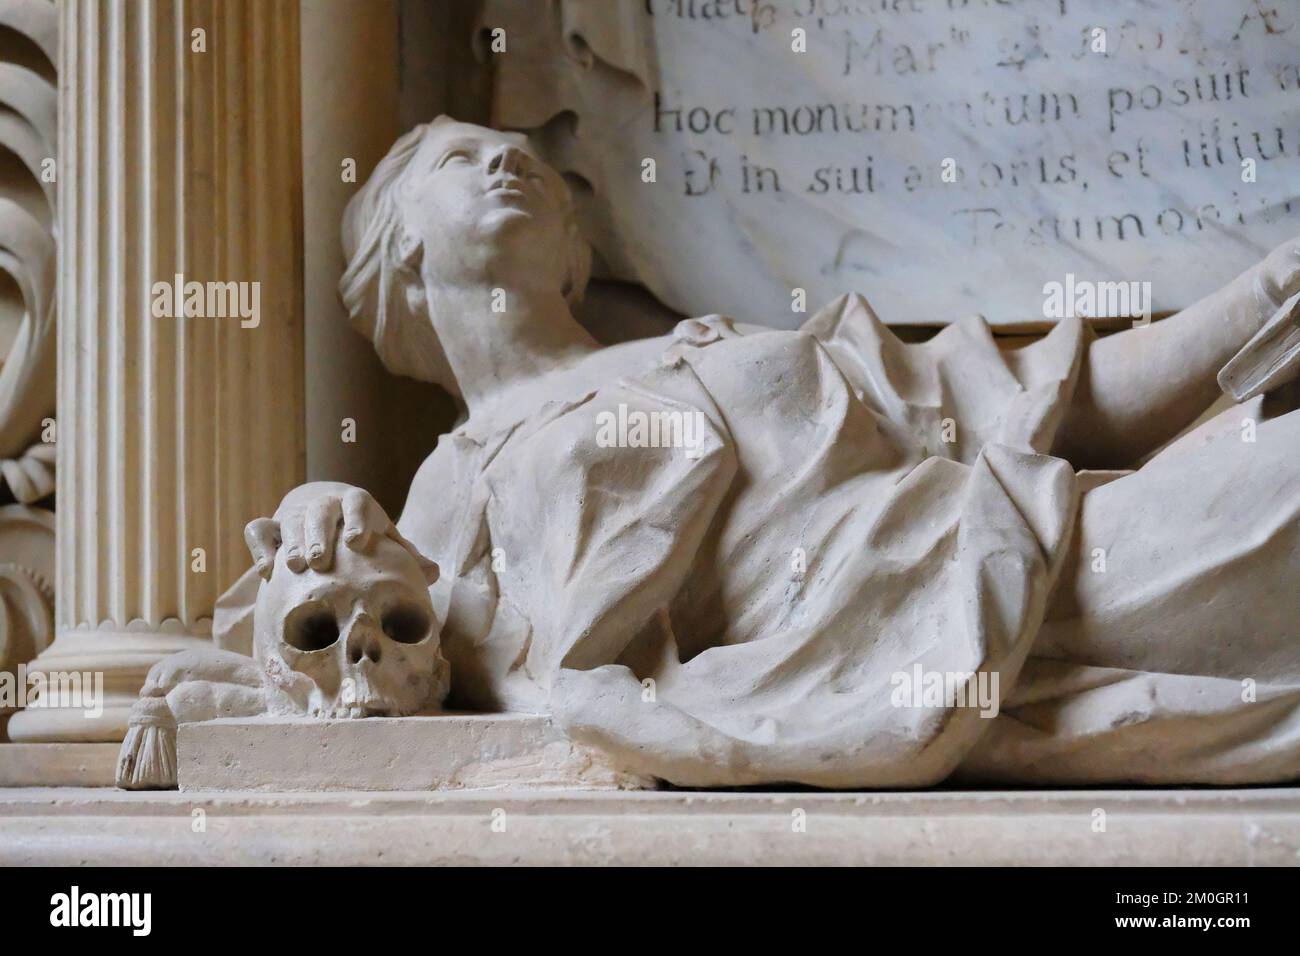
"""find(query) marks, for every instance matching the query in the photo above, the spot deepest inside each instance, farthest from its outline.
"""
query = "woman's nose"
(507, 159)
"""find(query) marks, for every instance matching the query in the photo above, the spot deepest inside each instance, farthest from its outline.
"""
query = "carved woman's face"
(480, 202)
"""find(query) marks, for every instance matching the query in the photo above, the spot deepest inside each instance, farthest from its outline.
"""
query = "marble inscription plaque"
(939, 156)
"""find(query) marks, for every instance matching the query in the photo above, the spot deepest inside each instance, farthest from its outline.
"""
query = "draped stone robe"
(739, 613)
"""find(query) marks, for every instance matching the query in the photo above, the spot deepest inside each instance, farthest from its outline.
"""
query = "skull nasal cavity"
(370, 650)
(312, 632)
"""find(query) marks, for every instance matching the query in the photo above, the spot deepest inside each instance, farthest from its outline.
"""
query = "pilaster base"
(110, 666)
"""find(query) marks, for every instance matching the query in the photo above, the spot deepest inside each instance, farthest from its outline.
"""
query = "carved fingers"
(291, 540)
(262, 535)
(320, 529)
(353, 514)
(309, 523)
(362, 519)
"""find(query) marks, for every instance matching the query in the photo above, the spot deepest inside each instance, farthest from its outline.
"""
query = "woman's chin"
(504, 212)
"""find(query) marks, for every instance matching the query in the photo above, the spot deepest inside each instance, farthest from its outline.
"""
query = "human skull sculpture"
(359, 640)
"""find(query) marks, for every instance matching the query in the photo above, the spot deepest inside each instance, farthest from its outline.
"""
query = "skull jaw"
(324, 707)
(297, 694)
(365, 703)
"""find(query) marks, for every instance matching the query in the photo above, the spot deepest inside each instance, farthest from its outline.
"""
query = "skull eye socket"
(405, 624)
(313, 629)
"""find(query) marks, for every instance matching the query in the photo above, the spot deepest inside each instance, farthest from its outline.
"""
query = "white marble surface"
(442, 752)
(1115, 166)
(57, 765)
(1144, 827)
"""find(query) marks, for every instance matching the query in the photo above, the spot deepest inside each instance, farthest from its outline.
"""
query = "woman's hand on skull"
(310, 522)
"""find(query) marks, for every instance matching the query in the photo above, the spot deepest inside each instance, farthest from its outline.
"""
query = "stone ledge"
(440, 752)
(659, 828)
(57, 765)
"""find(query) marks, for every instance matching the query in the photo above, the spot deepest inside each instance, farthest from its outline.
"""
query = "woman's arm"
(1141, 387)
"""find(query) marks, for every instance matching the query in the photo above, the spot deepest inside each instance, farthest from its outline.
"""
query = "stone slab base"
(57, 765)
(658, 828)
(443, 752)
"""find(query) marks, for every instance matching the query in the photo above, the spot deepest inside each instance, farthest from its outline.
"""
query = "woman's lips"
(513, 189)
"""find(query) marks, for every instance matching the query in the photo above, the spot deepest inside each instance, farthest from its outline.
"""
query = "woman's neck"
(498, 338)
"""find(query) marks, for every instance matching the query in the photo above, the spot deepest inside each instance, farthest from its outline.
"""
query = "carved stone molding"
(28, 132)
(26, 586)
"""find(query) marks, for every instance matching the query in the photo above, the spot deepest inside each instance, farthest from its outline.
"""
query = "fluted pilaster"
(179, 155)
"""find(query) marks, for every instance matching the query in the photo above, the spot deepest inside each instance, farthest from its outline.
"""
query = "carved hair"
(382, 289)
